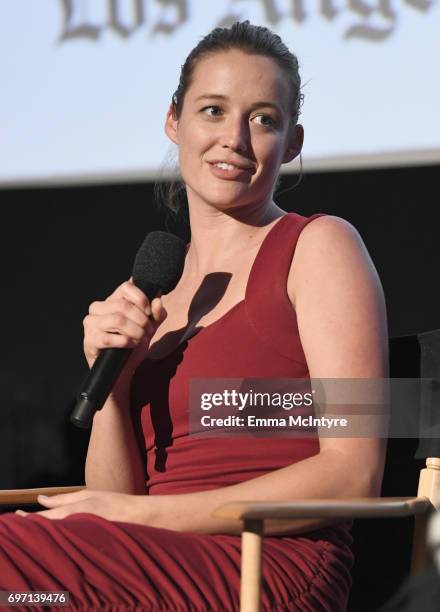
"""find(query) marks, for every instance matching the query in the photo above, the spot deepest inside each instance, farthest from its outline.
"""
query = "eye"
(216, 110)
(265, 120)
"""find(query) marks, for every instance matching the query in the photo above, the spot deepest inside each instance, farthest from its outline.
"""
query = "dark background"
(65, 247)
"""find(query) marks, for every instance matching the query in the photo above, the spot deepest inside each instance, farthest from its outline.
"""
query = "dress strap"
(267, 303)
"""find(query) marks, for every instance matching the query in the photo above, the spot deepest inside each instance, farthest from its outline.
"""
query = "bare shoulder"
(330, 234)
(328, 245)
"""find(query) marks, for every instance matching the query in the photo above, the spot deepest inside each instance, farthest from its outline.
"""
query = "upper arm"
(341, 315)
(339, 302)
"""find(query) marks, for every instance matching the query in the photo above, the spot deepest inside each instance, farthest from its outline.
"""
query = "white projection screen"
(85, 84)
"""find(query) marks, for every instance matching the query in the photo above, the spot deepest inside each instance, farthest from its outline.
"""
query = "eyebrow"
(255, 105)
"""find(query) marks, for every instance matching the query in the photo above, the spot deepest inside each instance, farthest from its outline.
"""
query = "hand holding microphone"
(122, 322)
(126, 319)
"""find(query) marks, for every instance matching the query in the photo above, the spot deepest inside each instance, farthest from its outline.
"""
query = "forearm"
(114, 462)
(322, 476)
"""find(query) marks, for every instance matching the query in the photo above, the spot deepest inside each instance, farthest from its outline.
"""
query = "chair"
(19, 497)
(423, 352)
(253, 514)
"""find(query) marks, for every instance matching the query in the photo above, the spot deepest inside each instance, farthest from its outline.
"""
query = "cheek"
(270, 152)
(197, 132)
(193, 144)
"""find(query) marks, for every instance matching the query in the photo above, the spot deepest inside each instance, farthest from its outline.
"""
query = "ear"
(171, 125)
(295, 144)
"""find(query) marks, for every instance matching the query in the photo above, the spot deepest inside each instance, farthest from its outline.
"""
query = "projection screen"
(86, 83)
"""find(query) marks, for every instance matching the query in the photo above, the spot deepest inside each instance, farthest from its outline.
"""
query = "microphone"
(158, 267)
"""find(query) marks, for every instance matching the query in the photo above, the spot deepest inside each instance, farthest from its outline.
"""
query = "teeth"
(225, 166)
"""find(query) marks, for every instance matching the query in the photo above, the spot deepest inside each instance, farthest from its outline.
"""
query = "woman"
(263, 295)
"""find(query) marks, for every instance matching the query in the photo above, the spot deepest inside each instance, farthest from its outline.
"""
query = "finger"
(121, 319)
(104, 328)
(130, 292)
(21, 513)
(57, 513)
(120, 305)
(78, 506)
(158, 310)
(107, 340)
(64, 498)
(49, 501)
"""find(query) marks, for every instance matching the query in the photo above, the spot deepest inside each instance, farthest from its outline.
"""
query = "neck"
(218, 236)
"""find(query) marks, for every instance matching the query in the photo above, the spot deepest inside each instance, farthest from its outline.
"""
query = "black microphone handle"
(98, 384)
(103, 375)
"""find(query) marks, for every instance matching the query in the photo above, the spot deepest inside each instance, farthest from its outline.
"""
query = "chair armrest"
(9, 497)
(368, 507)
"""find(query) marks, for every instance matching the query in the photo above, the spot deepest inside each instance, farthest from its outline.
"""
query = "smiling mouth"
(225, 166)
(228, 172)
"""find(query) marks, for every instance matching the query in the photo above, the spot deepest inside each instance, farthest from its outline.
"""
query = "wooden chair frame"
(253, 515)
(18, 497)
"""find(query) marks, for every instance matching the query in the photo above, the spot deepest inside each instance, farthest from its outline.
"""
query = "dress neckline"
(238, 304)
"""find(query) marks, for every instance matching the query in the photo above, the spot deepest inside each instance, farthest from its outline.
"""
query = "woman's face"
(235, 113)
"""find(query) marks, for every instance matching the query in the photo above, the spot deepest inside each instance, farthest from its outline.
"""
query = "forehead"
(239, 76)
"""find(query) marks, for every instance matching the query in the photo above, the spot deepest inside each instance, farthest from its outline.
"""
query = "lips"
(231, 172)
(235, 164)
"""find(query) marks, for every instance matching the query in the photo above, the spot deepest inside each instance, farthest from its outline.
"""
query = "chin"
(223, 199)
(226, 204)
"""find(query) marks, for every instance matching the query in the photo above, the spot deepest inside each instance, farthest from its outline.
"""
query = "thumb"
(158, 311)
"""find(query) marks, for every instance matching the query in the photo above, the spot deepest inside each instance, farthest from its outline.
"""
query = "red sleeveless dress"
(112, 565)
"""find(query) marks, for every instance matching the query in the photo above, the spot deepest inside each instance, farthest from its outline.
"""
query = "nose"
(236, 134)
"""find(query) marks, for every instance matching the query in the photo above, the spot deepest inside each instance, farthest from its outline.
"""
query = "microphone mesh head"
(159, 261)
